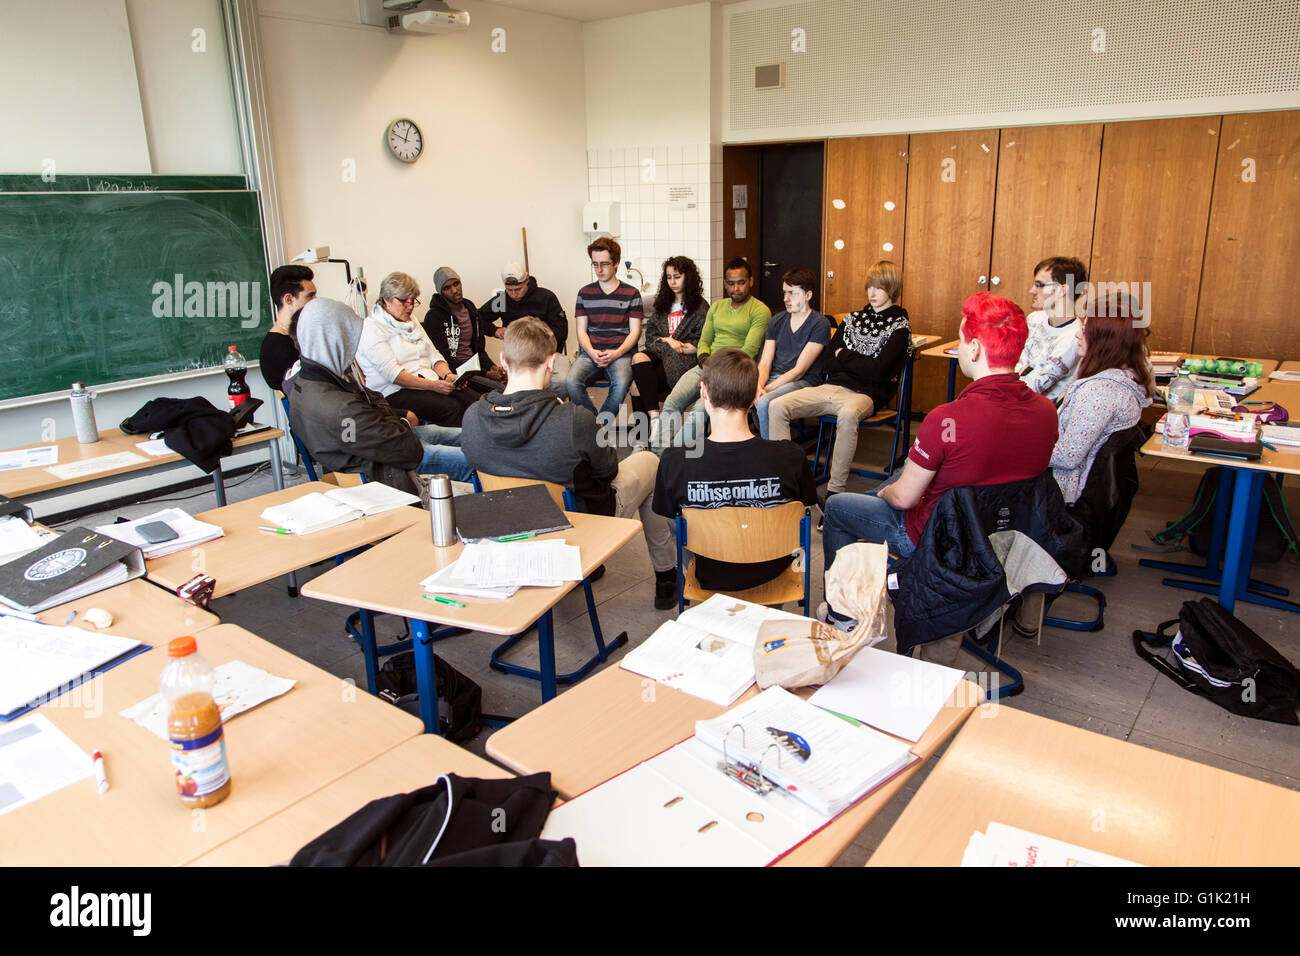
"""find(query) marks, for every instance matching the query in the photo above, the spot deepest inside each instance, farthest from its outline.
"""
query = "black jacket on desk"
(501, 310)
(868, 351)
(955, 578)
(192, 427)
(532, 434)
(349, 429)
(443, 328)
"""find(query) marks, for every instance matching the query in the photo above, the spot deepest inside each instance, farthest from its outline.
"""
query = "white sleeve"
(376, 358)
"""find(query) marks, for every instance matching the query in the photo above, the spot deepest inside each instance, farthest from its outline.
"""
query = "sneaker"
(827, 616)
(665, 590)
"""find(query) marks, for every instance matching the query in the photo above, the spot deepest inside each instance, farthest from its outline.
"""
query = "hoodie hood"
(514, 420)
(328, 334)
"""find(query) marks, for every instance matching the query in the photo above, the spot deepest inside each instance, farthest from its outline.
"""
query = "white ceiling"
(596, 9)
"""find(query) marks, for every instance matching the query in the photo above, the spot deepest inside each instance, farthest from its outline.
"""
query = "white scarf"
(408, 331)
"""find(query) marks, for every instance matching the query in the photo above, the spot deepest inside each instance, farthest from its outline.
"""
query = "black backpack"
(1274, 534)
(1216, 656)
(460, 700)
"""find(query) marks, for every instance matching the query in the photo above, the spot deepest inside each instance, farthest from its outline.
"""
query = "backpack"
(460, 700)
(1220, 658)
(1274, 534)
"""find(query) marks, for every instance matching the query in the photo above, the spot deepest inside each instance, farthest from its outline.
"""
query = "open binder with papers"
(76, 563)
(750, 786)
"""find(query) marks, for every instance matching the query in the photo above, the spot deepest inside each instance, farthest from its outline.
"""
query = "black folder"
(45, 577)
(508, 513)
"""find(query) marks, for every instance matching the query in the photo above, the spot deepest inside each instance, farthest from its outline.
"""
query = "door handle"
(771, 265)
(983, 279)
(997, 281)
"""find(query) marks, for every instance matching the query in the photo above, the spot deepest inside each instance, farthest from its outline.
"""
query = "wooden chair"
(563, 497)
(746, 536)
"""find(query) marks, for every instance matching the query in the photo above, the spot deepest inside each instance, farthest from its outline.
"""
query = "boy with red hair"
(996, 431)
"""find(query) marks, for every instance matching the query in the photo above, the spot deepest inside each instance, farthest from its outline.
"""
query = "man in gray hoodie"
(345, 426)
(526, 432)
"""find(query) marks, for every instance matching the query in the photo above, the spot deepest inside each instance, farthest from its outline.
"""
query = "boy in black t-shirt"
(734, 469)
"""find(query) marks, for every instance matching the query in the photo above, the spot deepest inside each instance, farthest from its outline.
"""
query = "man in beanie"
(522, 297)
(455, 327)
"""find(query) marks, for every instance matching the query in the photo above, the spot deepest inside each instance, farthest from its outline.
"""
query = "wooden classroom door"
(1153, 205)
(864, 215)
(1046, 200)
(951, 178)
(1245, 306)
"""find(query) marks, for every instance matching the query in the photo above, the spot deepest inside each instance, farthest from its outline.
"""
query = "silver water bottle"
(83, 414)
(442, 514)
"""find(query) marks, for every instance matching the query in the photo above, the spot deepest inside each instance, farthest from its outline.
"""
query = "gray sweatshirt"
(1094, 408)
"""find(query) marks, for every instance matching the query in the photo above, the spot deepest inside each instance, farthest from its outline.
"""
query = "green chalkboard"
(107, 286)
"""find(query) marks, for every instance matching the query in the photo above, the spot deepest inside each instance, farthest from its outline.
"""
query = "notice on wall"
(682, 197)
(740, 224)
(740, 197)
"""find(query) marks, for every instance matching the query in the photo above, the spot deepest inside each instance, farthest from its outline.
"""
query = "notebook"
(316, 511)
(189, 532)
(507, 513)
(76, 563)
(372, 498)
(38, 662)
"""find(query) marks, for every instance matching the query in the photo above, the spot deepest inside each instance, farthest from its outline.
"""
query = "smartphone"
(156, 532)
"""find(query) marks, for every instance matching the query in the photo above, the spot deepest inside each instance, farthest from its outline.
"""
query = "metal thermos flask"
(83, 414)
(442, 515)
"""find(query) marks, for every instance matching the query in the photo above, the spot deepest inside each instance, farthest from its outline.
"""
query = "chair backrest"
(1112, 483)
(744, 535)
(496, 482)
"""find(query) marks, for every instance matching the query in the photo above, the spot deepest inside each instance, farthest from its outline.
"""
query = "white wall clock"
(405, 140)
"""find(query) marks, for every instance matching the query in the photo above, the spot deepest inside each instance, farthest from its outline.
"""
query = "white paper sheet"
(29, 457)
(36, 659)
(155, 447)
(92, 466)
(472, 365)
(17, 537)
(522, 563)
(239, 687)
(1005, 845)
(893, 693)
(36, 759)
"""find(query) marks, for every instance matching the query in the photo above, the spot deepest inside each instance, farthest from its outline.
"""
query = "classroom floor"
(1091, 680)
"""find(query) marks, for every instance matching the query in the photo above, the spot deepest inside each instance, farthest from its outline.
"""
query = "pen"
(70, 619)
(443, 600)
(518, 537)
(1265, 444)
(274, 530)
(101, 778)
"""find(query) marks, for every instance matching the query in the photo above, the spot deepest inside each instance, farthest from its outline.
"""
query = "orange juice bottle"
(198, 743)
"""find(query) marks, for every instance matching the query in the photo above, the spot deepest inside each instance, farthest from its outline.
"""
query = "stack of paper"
(538, 564)
(189, 532)
(17, 538)
(1010, 846)
(1281, 434)
(708, 651)
(239, 687)
(824, 761)
(1281, 376)
(450, 580)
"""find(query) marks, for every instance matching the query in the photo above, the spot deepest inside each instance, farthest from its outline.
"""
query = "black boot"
(665, 589)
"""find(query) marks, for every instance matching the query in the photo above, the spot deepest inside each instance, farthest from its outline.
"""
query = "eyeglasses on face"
(411, 301)
(1044, 285)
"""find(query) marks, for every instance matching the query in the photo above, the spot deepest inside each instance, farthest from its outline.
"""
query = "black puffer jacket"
(955, 579)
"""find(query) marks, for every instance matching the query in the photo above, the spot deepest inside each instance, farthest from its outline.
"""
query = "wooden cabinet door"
(1246, 306)
(863, 221)
(951, 179)
(1153, 205)
(1046, 198)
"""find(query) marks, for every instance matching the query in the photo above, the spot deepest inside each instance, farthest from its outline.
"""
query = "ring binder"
(749, 777)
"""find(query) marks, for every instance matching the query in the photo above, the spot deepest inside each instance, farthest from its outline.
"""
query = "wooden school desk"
(616, 719)
(279, 752)
(246, 556)
(387, 579)
(408, 766)
(1236, 517)
(34, 484)
(140, 610)
(1095, 792)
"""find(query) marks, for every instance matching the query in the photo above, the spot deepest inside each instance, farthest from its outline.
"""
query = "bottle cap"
(78, 387)
(439, 486)
(231, 349)
(181, 647)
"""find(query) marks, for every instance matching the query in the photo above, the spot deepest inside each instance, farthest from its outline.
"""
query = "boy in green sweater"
(738, 321)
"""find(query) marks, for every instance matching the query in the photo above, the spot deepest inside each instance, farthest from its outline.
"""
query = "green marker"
(275, 530)
(443, 600)
(518, 537)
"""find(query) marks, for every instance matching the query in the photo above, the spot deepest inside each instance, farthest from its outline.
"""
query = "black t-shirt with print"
(748, 474)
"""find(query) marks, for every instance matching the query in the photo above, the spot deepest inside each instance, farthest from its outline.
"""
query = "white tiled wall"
(638, 178)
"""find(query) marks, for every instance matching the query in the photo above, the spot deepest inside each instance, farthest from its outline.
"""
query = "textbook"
(316, 511)
(76, 563)
(38, 662)
(525, 511)
(708, 651)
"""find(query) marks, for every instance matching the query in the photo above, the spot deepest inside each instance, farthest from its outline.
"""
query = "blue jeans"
(760, 406)
(584, 369)
(852, 517)
(442, 454)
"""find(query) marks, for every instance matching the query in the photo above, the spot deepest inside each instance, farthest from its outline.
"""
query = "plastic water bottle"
(1181, 401)
(198, 741)
(236, 370)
